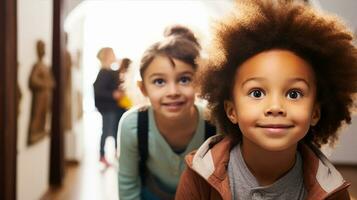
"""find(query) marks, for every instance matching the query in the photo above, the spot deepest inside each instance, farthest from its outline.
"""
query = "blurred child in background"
(124, 101)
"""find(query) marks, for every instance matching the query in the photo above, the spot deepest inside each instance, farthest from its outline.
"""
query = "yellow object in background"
(125, 102)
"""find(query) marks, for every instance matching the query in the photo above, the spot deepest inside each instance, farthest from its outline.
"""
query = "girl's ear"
(231, 111)
(142, 88)
(315, 115)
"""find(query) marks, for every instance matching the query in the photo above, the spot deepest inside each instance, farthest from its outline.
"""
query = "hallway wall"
(343, 8)
(34, 22)
(74, 26)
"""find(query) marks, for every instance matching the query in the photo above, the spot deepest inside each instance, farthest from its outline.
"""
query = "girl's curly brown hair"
(259, 25)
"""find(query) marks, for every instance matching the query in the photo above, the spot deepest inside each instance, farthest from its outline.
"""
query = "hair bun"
(181, 31)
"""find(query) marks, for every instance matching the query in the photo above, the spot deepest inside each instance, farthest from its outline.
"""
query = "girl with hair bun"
(154, 139)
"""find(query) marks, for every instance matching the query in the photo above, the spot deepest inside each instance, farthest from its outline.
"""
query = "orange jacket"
(206, 175)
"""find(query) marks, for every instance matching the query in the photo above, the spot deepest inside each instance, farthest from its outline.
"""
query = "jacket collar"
(211, 160)
(321, 178)
(211, 157)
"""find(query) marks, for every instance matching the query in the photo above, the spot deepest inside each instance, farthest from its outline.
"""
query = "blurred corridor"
(89, 179)
(62, 162)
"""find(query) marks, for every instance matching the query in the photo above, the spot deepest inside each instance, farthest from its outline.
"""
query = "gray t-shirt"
(245, 186)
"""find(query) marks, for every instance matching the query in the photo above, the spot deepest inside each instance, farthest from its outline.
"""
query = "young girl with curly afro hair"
(279, 84)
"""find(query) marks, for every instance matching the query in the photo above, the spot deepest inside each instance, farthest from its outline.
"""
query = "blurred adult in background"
(106, 95)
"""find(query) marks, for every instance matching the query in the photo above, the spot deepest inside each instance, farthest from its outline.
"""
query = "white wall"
(345, 9)
(346, 151)
(74, 26)
(34, 22)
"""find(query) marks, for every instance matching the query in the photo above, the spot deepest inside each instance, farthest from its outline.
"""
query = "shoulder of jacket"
(326, 175)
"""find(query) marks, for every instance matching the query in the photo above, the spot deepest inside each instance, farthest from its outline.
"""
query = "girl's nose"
(173, 90)
(275, 108)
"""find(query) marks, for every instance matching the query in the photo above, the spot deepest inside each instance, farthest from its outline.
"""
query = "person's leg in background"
(120, 112)
(109, 121)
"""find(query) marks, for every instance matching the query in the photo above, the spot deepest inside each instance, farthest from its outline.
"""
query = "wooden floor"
(89, 180)
(86, 183)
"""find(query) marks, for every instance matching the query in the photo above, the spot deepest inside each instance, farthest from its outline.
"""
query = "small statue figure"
(18, 95)
(68, 88)
(41, 84)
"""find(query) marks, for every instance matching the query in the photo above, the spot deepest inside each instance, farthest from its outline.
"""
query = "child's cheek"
(301, 117)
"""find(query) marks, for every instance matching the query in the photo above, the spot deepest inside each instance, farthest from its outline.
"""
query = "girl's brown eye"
(294, 94)
(185, 80)
(257, 94)
(158, 82)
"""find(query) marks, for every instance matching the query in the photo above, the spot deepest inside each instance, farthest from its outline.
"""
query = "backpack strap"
(210, 130)
(142, 134)
(143, 142)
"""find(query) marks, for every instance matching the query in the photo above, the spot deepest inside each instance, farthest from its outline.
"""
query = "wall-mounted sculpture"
(18, 95)
(79, 96)
(41, 83)
(68, 88)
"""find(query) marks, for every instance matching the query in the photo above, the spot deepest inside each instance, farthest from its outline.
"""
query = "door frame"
(57, 164)
(8, 99)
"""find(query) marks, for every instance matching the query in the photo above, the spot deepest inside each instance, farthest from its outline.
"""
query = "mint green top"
(163, 163)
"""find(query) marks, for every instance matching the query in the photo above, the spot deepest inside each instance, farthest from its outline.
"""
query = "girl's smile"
(174, 106)
(275, 130)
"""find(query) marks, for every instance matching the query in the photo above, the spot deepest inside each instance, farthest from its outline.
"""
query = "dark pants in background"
(110, 127)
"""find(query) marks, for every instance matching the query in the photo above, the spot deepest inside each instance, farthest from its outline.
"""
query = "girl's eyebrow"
(186, 72)
(293, 80)
(156, 74)
(162, 74)
(253, 79)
